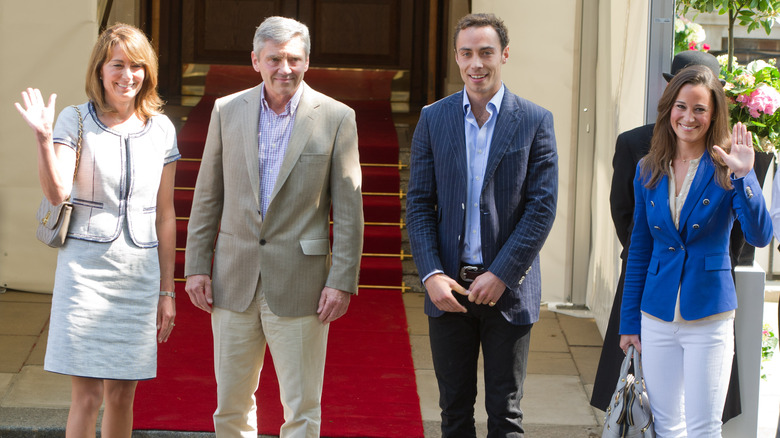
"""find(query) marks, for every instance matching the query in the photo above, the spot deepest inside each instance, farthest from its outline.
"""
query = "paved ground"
(562, 363)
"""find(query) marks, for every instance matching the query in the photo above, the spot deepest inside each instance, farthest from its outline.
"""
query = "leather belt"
(469, 272)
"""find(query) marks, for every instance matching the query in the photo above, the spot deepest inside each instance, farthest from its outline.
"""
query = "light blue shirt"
(273, 135)
(478, 140)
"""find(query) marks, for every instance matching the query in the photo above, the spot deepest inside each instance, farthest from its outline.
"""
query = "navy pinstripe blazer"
(517, 202)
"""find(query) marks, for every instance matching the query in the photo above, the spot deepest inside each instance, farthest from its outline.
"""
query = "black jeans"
(455, 342)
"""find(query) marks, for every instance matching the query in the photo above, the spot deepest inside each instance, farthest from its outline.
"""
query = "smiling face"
(121, 78)
(479, 57)
(691, 116)
(282, 67)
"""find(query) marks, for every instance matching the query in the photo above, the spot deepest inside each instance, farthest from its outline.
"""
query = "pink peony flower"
(692, 45)
(705, 47)
(763, 99)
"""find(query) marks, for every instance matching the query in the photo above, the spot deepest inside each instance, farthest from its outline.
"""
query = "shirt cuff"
(438, 271)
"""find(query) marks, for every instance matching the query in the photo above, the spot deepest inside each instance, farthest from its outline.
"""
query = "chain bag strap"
(54, 220)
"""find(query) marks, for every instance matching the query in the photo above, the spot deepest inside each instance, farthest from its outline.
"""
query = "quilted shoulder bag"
(628, 414)
(54, 220)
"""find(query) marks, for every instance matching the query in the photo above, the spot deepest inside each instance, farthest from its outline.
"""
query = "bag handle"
(638, 377)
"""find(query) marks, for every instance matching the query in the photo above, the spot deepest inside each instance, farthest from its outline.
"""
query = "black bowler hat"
(693, 57)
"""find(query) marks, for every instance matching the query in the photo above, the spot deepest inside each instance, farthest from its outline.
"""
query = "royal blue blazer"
(517, 202)
(694, 258)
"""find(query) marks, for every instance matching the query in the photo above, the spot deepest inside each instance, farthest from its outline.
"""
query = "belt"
(469, 272)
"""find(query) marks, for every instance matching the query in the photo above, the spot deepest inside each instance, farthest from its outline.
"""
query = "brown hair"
(664, 143)
(482, 20)
(137, 47)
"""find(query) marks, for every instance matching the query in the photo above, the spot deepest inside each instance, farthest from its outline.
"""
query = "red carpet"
(369, 388)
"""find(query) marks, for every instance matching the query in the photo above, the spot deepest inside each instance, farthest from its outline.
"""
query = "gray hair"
(280, 30)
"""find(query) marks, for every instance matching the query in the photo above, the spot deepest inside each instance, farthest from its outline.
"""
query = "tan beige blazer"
(288, 253)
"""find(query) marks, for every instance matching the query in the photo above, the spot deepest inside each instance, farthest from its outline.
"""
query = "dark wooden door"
(344, 33)
(372, 34)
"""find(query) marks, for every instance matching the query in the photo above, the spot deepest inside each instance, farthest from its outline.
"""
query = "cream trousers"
(297, 345)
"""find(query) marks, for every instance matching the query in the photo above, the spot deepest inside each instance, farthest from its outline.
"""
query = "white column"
(749, 320)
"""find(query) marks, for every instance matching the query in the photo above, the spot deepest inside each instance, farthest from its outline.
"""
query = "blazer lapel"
(702, 178)
(456, 135)
(250, 122)
(305, 117)
(507, 122)
(660, 199)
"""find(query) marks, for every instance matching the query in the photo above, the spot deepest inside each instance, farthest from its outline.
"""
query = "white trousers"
(297, 345)
(687, 368)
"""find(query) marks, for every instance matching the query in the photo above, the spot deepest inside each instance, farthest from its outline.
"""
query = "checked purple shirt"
(273, 135)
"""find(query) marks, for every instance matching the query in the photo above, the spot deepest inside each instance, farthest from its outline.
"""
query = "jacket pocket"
(314, 158)
(717, 262)
(652, 267)
(315, 246)
(86, 203)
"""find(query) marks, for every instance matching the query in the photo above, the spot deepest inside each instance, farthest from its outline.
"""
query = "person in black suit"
(630, 147)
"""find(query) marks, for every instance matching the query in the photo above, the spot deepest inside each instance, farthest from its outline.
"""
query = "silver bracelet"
(165, 293)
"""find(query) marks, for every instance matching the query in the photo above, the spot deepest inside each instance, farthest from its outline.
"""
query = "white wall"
(541, 68)
(44, 44)
(620, 107)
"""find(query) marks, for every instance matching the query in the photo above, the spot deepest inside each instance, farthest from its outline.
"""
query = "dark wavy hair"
(482, 20)
(664, 143)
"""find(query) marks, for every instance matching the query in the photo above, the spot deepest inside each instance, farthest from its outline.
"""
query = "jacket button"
(652, 204)
(671, 248)
(262, 241)
(706, 202)
(656, 227)
(695, 226)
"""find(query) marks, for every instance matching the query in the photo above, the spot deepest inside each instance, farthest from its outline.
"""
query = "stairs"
(381, 264)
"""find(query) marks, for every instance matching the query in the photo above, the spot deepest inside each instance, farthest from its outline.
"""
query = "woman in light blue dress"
(113, 294)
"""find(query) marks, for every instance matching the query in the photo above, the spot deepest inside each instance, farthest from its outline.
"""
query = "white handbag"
(628, 414)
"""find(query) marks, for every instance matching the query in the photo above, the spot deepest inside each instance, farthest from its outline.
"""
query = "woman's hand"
(166, 313)
(626, 340)
(36, 113)
(740, 159)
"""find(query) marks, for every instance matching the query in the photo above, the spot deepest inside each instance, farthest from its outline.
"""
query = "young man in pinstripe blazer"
(481, 202)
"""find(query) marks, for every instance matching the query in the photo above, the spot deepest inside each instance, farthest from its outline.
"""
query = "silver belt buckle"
(466, 269)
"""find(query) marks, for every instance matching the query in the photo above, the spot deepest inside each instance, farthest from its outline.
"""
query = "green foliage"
(768, 346)
(753, 95)
(749, 13)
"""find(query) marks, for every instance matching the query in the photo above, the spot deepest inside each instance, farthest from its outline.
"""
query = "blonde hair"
(664, 143)
(137, 47)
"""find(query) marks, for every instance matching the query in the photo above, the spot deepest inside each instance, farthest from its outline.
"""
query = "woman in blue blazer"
(679, 296)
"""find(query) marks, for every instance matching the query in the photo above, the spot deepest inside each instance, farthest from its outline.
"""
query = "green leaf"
(768, 26)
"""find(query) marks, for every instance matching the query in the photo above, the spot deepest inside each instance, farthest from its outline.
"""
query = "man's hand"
(440, 287)
(198, 287)
(333, 304)
(486, 289)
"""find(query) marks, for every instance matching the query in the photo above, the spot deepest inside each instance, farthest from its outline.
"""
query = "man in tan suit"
(277, 158)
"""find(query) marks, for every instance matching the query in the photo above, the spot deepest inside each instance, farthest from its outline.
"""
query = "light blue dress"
(106, 288)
